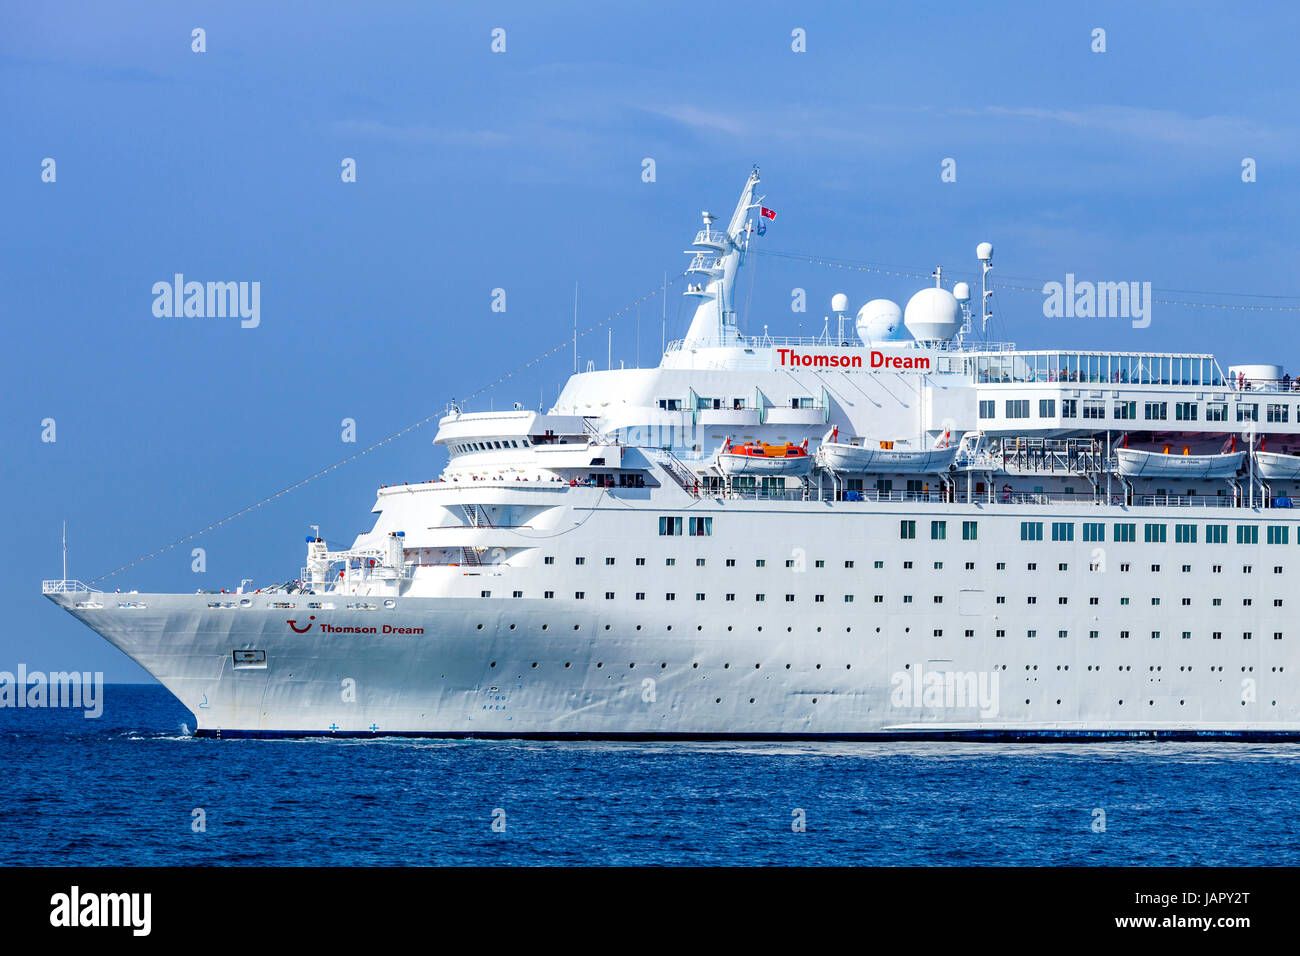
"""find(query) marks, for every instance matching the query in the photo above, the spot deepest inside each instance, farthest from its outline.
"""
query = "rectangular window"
(1185, 411)
(970, 530)
(1247, 534)
(1247, 412)
(1031, 531)
(1062, 530)
(988, 408)
(938, 530)
(701, 526)
(1155, 533)
(1278, 413)
(1069, 408)
(1156, 411)
(1017, 408)
(1125, 532)
(1094, 531)
(1185, 533)
(907, 529)
(1278, 534)
(1216, 534)
(1216, 412)
(1047, 408)
(1126, 410)
(1094, 409)
(670, 526)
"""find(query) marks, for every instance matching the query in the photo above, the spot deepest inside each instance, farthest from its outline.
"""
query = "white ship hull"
(571, 575)
(624, 667)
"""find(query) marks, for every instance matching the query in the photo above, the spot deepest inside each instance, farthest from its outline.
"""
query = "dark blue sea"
(123, 789)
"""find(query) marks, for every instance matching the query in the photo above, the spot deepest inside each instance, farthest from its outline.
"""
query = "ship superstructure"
(904, 530)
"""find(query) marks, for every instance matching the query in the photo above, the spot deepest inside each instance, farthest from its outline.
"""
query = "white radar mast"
(711, 276)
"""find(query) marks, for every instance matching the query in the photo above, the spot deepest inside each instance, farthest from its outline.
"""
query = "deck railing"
(66, 587)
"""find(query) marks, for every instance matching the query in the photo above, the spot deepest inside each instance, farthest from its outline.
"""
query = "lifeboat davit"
(858, 457)
(760, 458)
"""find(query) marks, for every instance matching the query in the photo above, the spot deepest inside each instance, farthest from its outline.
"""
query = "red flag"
(767, 213)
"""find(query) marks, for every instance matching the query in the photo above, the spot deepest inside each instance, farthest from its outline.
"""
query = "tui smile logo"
(301, 630)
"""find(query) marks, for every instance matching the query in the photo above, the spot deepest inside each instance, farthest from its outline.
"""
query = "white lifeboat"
(1149, 463)
(889, 458)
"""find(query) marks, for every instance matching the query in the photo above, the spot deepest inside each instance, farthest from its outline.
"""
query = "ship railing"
(380, 572)
(710, 237)
(1265, 385)
(67, 587)
(687, 479)
(823, 341)
(936, 495)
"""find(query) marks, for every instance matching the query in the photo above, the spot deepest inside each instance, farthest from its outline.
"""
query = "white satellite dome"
(880, 320)
(961, 292)
(984, 251)
(839, 302)
(932, 315)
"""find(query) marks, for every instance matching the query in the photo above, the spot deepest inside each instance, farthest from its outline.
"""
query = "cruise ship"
(896, 530)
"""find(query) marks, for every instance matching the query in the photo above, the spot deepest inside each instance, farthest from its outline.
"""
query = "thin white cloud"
(422, 134)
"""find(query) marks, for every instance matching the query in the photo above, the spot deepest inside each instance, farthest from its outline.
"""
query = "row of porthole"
(669, 627)
(694, 665)
(1181, 703)
(700, 627)
(1066, 667)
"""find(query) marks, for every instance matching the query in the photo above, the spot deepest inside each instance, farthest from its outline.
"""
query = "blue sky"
(522, 171)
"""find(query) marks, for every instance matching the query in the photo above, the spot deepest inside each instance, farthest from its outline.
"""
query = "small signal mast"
(984, 252)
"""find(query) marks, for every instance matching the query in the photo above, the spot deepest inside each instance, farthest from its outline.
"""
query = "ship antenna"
(65, 550)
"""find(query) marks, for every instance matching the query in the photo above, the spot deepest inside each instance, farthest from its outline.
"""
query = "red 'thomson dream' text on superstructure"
(789, 358)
